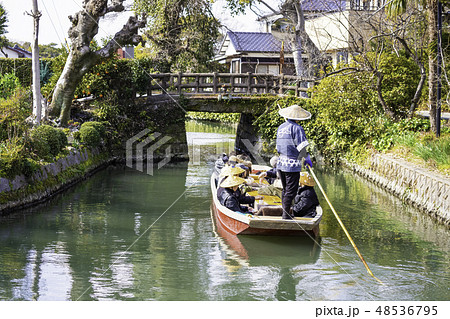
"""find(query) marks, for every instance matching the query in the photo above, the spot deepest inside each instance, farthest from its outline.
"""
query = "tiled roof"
(19, 50)
(323, 5)
(256, 42)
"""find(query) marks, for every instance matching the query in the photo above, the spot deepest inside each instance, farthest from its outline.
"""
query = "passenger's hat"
(306, 179)
(230, 170)
(232, 159)
(247, 163)
(294, 112)
(232, 181)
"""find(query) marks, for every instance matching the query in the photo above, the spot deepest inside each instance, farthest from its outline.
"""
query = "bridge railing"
(227, 83)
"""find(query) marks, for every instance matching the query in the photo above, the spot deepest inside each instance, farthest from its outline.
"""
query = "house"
(126, 52)
(255, 52)
(333, 25)
(14, 52)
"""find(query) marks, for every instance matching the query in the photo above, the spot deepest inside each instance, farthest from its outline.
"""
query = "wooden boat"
(267, 221)
(256, 250)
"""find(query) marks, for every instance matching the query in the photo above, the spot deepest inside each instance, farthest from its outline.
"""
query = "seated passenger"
(232, 160)
(271, 174)
(227, 171)
(241, 158)
(306, 200)
(220, 163)
(228, 197)
(241, 191)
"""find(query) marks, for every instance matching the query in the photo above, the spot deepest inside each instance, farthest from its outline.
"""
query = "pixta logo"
(148, 142)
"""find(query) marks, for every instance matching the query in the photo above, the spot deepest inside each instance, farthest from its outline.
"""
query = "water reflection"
(126, 235)
(267, 250)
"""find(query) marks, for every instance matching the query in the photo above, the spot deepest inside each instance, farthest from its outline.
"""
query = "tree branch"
(128, 35)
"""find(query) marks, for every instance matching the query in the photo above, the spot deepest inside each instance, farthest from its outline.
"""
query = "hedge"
(22, 68)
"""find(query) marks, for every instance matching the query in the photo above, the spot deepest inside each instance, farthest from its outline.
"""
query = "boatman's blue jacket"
(291, 140)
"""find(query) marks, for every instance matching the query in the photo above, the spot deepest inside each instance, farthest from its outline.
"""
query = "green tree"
(49, 50)
(181, 31)
(396, 8)
(83, 54)
(3, 20)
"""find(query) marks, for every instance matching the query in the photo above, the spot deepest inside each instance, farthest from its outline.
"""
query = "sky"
(54, 23)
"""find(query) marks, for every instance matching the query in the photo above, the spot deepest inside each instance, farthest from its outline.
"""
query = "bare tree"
(371, 35)
(292, 12)
(85, 25)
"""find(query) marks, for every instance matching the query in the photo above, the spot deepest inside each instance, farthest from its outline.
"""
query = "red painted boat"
(267, 221)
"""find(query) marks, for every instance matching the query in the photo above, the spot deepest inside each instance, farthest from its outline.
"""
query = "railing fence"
(227, 83)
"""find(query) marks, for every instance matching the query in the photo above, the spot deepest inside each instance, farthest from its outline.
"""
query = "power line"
(51, 20)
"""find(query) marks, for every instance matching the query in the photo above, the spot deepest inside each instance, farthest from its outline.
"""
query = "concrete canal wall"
(22, 191)
(417, 186)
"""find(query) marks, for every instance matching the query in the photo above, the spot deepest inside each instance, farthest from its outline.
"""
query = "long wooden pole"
(342, 225)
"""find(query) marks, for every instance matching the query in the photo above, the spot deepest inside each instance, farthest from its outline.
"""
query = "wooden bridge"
(221, 84)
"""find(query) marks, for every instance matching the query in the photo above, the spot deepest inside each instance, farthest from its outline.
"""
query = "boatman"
(291, 145)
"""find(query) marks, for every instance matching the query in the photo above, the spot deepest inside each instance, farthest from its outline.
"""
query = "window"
(235, 66)
(366, 4)
(342, 57)
(262, 69)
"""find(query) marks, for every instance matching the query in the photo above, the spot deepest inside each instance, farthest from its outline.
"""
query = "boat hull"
(246, 224)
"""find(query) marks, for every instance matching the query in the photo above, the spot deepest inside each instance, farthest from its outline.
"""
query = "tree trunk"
(296, 45)
(386, 109)
(432, 62)
(423, 76)
(76, 67)
(81, 58)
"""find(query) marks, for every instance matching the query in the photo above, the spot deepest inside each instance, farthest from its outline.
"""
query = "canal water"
(127, 235)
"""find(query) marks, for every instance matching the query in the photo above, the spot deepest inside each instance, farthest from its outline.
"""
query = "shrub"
(399, 84)
(47, 141)
(21, 68)
(101, 129)
(89, 136)
(343, 113)
(13, 112)
(62, 138)
(11, 157)
(91, 133)
(8, 84)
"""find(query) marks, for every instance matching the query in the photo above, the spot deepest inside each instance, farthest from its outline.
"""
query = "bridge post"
(164, 85)
(215, 82)
(180, 75)
(266, 80)
(231, 84)
(197, 84)
(249, 83)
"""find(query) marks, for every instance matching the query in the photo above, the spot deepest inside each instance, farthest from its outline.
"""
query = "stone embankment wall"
(22, 191)
(422, 188)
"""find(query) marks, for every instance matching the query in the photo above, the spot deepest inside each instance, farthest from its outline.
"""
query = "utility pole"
(37, 107)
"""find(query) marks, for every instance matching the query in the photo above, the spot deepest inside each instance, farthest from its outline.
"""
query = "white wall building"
(14, 53)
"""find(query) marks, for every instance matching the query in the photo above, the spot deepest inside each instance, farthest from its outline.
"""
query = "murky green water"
(125, 235)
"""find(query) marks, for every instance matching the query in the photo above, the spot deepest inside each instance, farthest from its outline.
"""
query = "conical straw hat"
(232, 181)
(294, 112)
(230, 170)
(306, 179)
